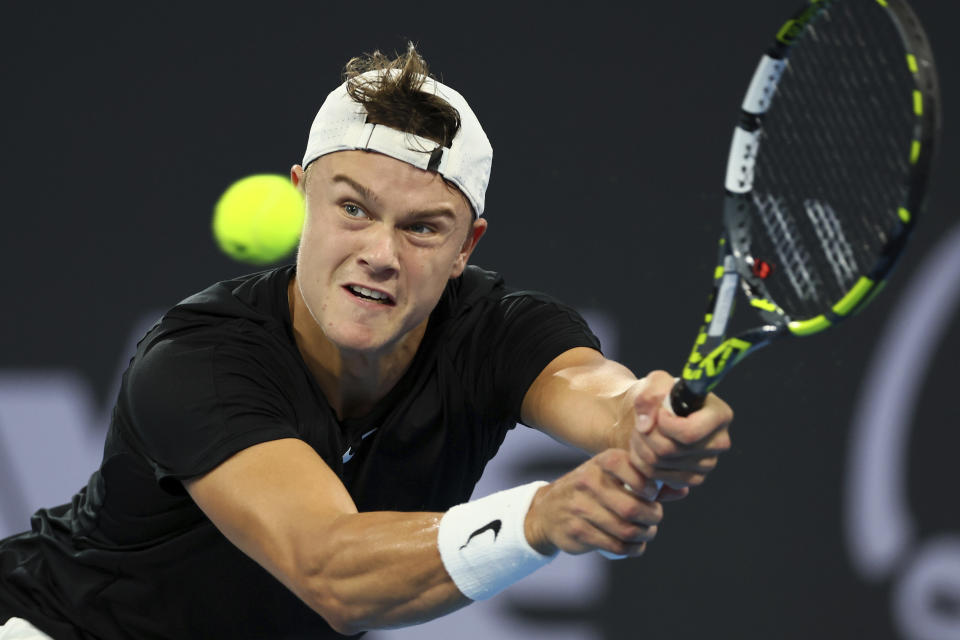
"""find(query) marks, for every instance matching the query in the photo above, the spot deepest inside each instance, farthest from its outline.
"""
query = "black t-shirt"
(133, 557)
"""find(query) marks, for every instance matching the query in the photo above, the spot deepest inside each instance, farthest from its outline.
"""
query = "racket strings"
(834, 157)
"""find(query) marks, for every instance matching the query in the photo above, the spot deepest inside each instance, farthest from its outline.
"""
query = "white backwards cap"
(341, 125)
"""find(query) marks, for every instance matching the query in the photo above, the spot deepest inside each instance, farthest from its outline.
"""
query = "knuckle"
(577, 510)
(656, 382)
(641, 534)
(582, 479)
(643, 514)
(632, 533)
(727, 412)
(656, 512)
(725, 441)
(613, 457)
(632, 512)
(576, 531)
(636, 549)
(696, 479)
(581, 483)
(659, 375)
(619, 547)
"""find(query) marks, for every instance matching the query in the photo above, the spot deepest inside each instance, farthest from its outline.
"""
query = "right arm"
(280, 504)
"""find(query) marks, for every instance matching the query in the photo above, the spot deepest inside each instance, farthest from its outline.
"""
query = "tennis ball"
(258, 219)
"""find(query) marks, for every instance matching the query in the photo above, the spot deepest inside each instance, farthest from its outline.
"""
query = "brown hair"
(395, 99)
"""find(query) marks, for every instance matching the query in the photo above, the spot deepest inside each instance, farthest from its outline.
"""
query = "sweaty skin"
(398, 231)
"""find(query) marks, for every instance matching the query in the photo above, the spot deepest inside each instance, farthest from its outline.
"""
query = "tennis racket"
(826, 178)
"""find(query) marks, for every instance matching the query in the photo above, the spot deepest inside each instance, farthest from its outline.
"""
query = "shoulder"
(486, 293)
(504, 335)
(218, 356)
(258, 297)
(253, 305)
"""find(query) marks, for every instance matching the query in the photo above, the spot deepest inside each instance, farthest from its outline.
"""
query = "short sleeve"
(514, 339)
(192, 405)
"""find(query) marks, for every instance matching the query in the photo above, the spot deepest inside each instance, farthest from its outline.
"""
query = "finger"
(652, 390)
(626, 530)
(653, 446)
(618, 464)
(714, 444)
(642, 457)
(699, 426)
(631, 472)
(679, 479)
(704, 464)
(687, 431)
(631, 508)
(669, 494)
(595, 527)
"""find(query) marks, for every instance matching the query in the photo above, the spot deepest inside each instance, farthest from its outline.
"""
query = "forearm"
(399, 574)
(584, 400)
(377, 570)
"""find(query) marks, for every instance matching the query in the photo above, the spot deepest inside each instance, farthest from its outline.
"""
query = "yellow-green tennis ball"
(258, 219)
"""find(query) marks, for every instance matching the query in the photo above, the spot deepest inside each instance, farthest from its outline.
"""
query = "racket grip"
(681, 401)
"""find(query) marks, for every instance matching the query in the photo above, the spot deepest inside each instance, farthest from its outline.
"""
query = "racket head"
(826, 177)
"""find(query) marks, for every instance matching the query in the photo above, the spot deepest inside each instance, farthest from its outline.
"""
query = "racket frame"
(714, 353)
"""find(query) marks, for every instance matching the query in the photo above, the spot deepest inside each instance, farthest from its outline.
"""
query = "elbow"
(319, 587)
(342, 623)
(339, 614)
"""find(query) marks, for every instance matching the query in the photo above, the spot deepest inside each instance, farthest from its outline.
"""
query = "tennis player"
(292, 452)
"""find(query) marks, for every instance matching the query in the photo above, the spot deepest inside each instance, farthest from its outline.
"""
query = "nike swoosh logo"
(350, 452)
(493, 526)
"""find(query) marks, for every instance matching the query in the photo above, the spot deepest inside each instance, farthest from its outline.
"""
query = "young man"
(291, 452)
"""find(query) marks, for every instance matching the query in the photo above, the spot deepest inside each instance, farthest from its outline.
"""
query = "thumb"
(645, 407)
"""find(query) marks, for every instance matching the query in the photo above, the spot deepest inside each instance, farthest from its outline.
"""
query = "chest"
(423, 450)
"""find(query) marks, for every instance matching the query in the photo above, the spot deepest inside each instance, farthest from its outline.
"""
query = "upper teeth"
(370, 293)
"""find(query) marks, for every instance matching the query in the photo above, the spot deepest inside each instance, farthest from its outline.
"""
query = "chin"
(357, 338)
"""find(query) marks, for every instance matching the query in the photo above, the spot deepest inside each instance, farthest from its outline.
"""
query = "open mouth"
(370, 294)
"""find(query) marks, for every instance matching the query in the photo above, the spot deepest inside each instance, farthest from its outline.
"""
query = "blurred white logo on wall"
(880, 530)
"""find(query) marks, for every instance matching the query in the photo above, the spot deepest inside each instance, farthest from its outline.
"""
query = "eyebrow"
(443, 211)
(359, 188)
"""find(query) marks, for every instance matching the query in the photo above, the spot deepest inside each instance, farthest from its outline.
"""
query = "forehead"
(393, 182)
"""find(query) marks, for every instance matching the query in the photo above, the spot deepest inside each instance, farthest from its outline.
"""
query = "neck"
(352, 381)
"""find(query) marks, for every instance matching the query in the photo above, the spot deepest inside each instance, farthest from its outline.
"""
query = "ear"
(476, 232)
(296, 177)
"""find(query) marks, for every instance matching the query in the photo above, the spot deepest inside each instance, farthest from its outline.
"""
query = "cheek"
(321, 246)
(432, 272)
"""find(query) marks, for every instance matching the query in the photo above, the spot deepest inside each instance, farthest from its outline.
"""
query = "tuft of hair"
(395, 98)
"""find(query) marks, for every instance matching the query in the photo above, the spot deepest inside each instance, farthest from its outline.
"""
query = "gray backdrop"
(834, 515)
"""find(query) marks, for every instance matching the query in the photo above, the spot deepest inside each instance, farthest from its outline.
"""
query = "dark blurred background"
(122, 123)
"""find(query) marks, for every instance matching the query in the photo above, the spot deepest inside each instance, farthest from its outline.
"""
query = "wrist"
(533, 530)
(483, 544)
(626, 422)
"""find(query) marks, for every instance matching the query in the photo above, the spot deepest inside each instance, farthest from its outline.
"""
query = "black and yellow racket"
(826, 178)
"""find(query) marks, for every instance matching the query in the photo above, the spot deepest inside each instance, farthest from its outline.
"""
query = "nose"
(379, 252)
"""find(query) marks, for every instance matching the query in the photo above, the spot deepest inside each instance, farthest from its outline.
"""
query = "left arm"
(593, 403)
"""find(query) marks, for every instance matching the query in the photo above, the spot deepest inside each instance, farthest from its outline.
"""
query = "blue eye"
(354, 211)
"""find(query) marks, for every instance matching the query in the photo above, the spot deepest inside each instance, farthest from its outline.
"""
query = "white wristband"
(483, 545)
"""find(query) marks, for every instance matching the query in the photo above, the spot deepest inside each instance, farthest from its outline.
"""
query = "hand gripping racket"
(825, 180)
